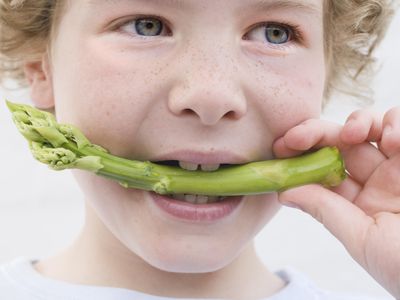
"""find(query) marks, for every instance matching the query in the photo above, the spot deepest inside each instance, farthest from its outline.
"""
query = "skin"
(364, 211)
(214, 83)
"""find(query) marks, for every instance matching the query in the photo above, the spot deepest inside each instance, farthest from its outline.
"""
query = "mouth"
(195, 199)
(196, 212)
(196, 208)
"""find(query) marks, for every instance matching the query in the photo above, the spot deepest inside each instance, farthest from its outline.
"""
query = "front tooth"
(210, 167)
(213, 199)
(190, 198)
(179, 197)
(188, 166)
(200, 199)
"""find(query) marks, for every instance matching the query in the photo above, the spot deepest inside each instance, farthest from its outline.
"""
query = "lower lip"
(197, 212)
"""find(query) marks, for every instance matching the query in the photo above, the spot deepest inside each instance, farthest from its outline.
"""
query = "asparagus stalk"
(63, 146)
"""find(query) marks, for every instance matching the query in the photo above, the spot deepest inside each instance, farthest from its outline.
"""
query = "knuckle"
(355, 115)
(365, 113)
(310, 122)
(392, 114)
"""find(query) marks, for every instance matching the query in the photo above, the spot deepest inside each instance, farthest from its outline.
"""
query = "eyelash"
(295, 34)
(118, 26)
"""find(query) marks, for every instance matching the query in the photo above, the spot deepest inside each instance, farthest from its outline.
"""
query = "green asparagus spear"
(62, 146)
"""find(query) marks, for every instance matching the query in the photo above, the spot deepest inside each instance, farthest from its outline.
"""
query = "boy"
(204, 83)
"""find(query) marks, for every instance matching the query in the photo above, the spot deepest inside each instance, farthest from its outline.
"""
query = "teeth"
(201, 199)
(214, 198)
(205, 167)
(188, 166)
(197, 199)
(190, 198)
(179, 197)
(193, 167)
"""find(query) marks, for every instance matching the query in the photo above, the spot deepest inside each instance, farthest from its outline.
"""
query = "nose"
(208, 88)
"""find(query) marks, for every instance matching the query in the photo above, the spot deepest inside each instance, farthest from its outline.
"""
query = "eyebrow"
(179, 3)
(290, 4)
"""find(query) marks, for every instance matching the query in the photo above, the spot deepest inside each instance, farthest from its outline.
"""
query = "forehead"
(309, 6)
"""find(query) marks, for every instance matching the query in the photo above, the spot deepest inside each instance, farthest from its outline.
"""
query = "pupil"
(276, 32)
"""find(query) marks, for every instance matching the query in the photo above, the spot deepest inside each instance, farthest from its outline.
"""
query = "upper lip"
(198, 157)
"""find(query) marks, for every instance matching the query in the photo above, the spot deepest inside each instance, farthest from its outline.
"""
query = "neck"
(97, 258)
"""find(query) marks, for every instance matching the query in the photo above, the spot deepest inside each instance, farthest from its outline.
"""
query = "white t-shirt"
(20, 281)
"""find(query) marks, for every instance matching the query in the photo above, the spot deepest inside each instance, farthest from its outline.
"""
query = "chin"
(179, 249)
(189, 264)
(189, 257)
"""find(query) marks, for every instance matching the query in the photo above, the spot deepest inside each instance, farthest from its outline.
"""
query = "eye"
(276, 34)
(144, 26)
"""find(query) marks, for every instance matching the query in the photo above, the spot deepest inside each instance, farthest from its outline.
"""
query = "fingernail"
(350, 123)
(388, 130)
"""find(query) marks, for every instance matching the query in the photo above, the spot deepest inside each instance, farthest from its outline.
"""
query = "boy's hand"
(364, 211)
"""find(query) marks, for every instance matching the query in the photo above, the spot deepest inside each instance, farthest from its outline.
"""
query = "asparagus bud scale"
(62, 146)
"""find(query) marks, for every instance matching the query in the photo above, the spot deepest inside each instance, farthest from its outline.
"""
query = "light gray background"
(41, 211)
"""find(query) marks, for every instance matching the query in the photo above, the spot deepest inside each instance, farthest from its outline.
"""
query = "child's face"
(211, 78)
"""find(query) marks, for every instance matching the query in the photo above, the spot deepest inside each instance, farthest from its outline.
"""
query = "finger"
(282, 151)
(390, 143)
(362, 160)
(345, 221)
(372, 203)
(382, 192)
(362, 125)
(348, 189)
(313, 133)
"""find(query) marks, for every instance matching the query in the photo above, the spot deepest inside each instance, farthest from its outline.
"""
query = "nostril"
(188, 111)
(231, 115)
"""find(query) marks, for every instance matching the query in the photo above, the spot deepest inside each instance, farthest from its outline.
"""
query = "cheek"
(289, 90)
(105, 93)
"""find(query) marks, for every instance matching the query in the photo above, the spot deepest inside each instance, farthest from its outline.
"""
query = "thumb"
(347, 222)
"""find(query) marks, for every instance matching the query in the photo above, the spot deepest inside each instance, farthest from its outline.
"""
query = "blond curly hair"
(353, 29)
